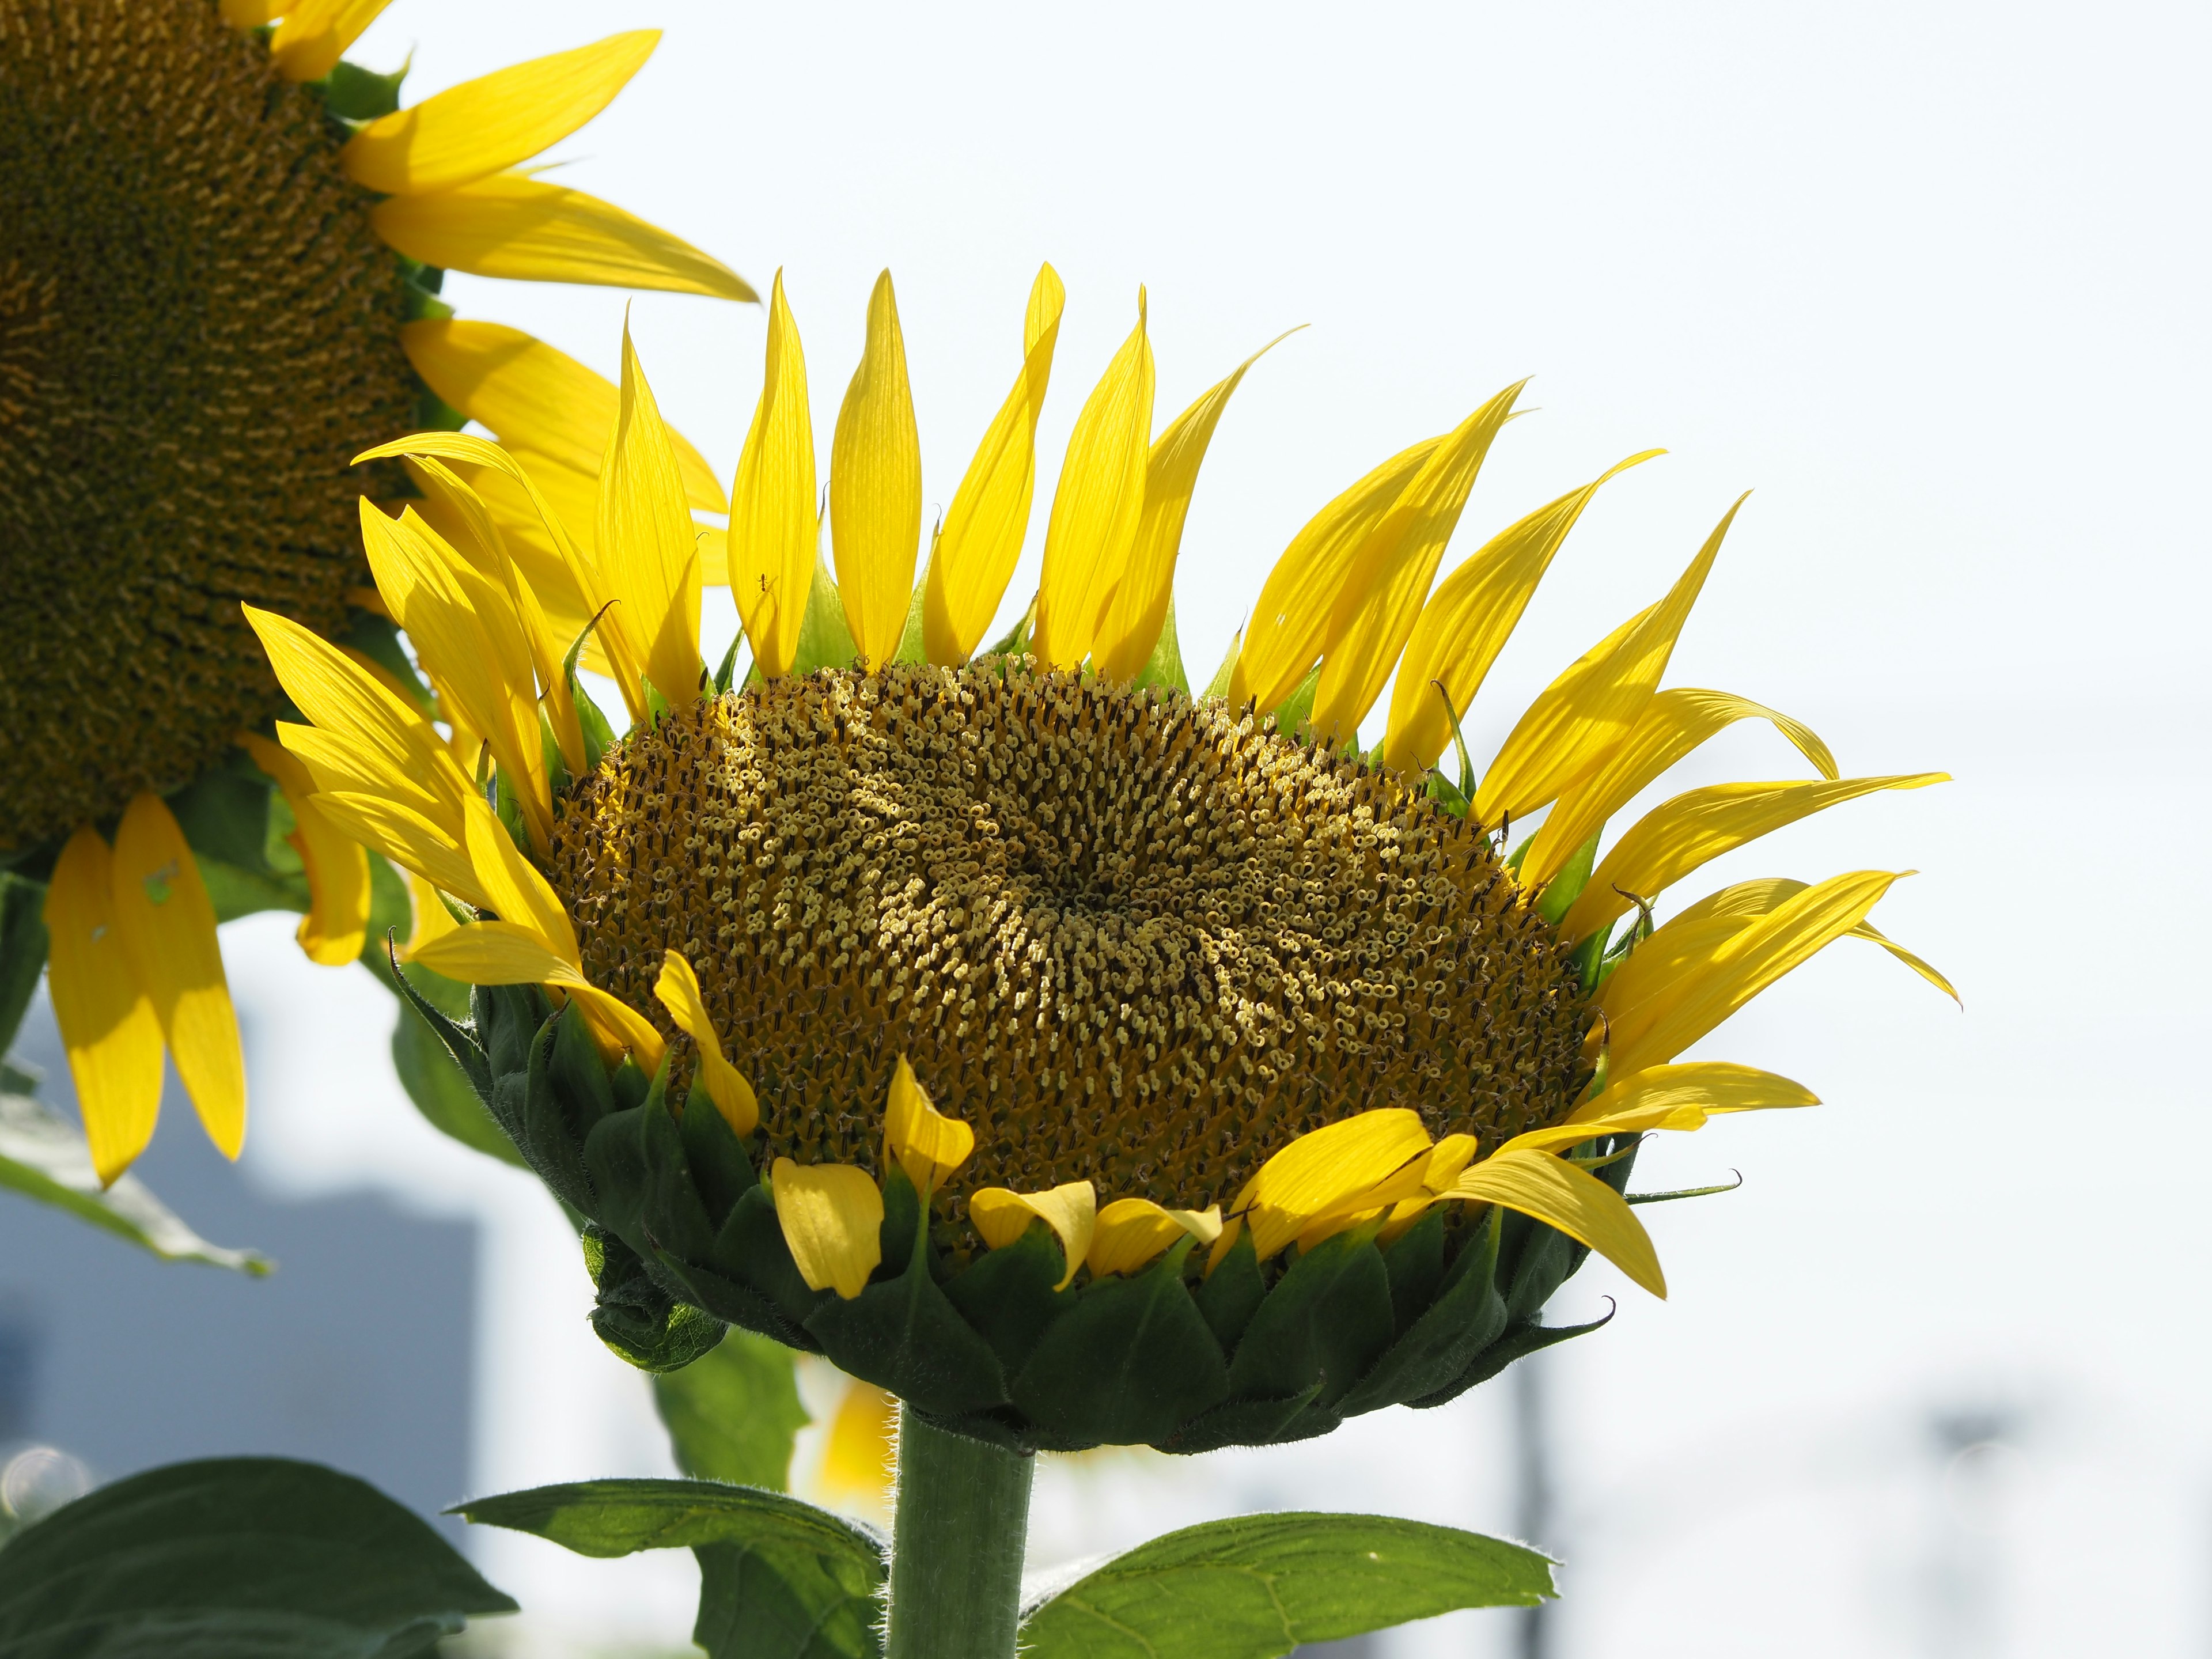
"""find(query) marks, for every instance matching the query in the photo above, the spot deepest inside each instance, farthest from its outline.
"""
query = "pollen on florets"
(1128, 937)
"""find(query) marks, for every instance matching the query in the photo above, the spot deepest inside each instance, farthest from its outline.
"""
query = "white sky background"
(1929, 279)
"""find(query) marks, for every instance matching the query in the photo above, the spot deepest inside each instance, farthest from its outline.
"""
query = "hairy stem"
(963, 1516)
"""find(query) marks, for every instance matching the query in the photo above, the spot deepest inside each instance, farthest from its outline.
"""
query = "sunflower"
(1079, 1060)
(218, 285)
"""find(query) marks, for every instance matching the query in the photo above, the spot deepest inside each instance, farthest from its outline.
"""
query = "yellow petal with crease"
(517, 891)
(1131, 1231)
(924, 1142)
(1098, 504)
(1672, 724)
(404, 836)
(514, 227)
(1569, 731)
(1290, 620)
(678, 991)
(980, 539)
(875, 487)
(773, 533)
(1464, 627)
(1656, 1007)
(166, 924)
(648, 553)
(502, 953)
(1573, 1200)
(1139, 607)
(535, 397)
(314, 35)
(1867, 930)
(1389, 574)
(431, 918)
(1708, 1085)
(488, 125)
(1733, 907)
(107, 1023)
(1357, 1162)
(832, 1216)
(337, 923)
(1002, 1216)
(1678, 836)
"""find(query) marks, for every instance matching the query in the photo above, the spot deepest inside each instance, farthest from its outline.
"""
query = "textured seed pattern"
(197, 332)
(1125, 937)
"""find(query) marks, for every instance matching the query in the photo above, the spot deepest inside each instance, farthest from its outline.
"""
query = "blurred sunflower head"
(1079, 1058)
(218, 286)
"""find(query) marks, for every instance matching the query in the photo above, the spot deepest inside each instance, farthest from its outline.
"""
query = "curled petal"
(832, 1216)
(1002, 1216)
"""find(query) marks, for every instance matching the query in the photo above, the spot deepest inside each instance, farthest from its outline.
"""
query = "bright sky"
(1929, 280)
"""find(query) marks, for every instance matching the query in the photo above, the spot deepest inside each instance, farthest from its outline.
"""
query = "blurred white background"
(1930, 278)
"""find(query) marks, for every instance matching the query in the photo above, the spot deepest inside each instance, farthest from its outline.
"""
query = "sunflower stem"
(957, 1544)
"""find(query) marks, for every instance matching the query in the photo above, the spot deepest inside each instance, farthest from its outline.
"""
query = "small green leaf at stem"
(733, 1414)
(1258, 1586)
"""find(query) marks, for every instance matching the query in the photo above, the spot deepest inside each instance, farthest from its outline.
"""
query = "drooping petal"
(1464, 627)
(648, 553)
(486, 125)
(678, 991)
(832, 1216)
(1002, 1216)
(166, 924)
(1363, 1162)
(312, 35)
(1131, 625)
(1577, 1203)
(1657, 1004)
(537, 399)
(1131, 1231)
(1703, 1086)
(337, 923)
(1389, 575)
(982, 537)
(1289, 628)
(924, 1142)
(773, 534)
(1098, 504)
(518, 892)
(875, 487)
(525, 229)
(1681, 835)
(1735, 907)
(106, 1019)
(1673, 723)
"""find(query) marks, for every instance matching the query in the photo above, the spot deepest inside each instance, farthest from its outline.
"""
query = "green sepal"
(634, 1316)
(913, 646)
(1261, 1422)
(1464, 1316)
(1415, 1263)
(1231, 1293)
(1163, 670)
(1218, 687)
(750, 1251)
(615, 1160)
(825, 640)
(442, 1092)
(1327, 1321)
(355, 94)
(1684, 1191)
(599, 736)
(23, 950)
(727, 671)
(1131, 1362)
(903, 1236)
(630, 1085)
(902, 1334)
(1517, 1342)
(719, 1163)
(1561, 892)
(1015, 641)
(1538, 1258)
(460, 1042)
(566, 1094)
(1295, 710)
(1008, 1295)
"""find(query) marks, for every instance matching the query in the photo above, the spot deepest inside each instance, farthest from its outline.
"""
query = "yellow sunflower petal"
(1567, 732)
(535, 397)
(1706, 1086)
(1573, 1200)
(1357, 1162)
(314, 35)
(1678, 836)
(773, 533)
(924, 1142)
(166, 924)
(1867, 930)
(337, 923)
(1002, 1216)
(502, 953)
(517, 891)
(1097, 506)
(1131, 1231)
(1657, 1010)
(1388, 574)
(1673, 724)
(875, 487)
(1464, 627)
(678, 991)
(431, 918)
(486, 125)
(982, 537)
(647, 552)
(832, 1216)
(531, 231)
(1130, 626)
(856, 1455)
(402, 834)
(107, 1020)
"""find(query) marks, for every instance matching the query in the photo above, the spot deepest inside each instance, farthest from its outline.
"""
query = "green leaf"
(241, 1558)
(780, 1579)
(23, 950)
(44, 1157)
(733, 1414)
(1256, 1587)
